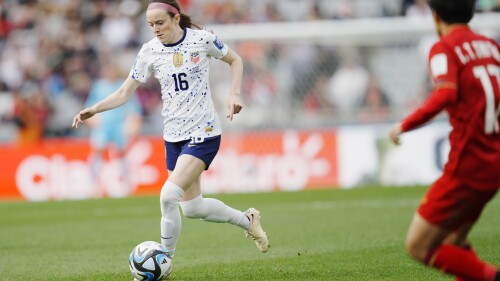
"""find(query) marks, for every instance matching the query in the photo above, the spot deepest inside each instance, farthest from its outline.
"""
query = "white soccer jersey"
(183, 70)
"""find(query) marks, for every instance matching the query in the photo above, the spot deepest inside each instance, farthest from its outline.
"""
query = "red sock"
(462, 263)
(470, 250)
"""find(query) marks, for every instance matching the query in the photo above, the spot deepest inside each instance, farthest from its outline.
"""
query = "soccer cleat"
(255, 231)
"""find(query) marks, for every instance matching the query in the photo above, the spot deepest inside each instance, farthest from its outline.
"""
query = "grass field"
(353, 234)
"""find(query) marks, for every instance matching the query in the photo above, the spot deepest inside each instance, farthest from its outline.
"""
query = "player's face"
(163, 26)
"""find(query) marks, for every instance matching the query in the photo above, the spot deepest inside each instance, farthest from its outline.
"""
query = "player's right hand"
(82, 116)
(395, 133)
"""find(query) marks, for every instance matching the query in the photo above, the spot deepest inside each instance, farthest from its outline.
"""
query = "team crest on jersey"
(177, 60)
(195, 57)
(218, 43)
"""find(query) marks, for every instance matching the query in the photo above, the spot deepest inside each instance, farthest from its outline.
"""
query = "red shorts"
(449, 203)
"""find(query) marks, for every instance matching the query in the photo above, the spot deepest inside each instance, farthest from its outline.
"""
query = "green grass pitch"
(355, 234)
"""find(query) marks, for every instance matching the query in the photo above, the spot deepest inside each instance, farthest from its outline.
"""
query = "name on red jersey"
(476, 50)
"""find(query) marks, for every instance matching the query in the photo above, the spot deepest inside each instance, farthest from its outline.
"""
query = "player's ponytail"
(185, 21)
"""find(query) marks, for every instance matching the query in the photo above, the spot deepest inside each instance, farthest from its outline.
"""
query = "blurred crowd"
(52, 52)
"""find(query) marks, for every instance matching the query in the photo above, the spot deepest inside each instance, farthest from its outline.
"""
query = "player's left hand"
(395, 133)
(234, 105)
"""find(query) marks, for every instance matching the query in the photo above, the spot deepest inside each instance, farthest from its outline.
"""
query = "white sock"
(170, 197)
(213, 210)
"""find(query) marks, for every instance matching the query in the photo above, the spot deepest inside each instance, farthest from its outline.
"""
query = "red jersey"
(472, 63)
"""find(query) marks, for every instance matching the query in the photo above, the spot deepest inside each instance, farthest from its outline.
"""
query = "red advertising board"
(247, 162)
(273, 161)
(59, 169)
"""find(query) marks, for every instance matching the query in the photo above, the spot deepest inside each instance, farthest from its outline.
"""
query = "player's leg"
(423, 243)
(213, 210)
(96, 163)
(422, 237)
(120, 141)
(98, 142)
(446, 215)
(459, 238)
(186, 171)
(195, 206)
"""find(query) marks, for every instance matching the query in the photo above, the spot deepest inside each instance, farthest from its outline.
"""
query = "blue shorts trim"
(204, 149)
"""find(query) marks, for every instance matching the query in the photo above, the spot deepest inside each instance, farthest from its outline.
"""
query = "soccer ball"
(150, 261)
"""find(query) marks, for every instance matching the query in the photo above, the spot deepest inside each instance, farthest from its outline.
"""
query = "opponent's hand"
(234, 106)
(82, 116)
(395, 133)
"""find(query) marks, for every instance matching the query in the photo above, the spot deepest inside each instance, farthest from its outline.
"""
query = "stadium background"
(323, 82)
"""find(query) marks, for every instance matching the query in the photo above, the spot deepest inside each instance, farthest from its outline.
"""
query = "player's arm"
(443, 95)
(444, 72)
(234, 103)
(118, 98)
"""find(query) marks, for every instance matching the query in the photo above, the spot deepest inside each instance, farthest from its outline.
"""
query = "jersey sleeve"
(436, 102)
(141, 70)
(215, 47)
(443, 66)
(443, 69)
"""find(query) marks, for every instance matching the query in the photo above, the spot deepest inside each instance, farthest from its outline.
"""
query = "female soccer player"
(465, 68)
(179, 58)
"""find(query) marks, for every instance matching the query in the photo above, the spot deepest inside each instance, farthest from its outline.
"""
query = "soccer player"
(465, 69)
(178, 56)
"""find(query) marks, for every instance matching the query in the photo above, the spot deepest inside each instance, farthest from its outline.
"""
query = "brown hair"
(185, 19)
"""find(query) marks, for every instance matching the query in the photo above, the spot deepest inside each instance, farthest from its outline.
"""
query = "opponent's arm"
(234, 103)
(442, 96)
(118, 98)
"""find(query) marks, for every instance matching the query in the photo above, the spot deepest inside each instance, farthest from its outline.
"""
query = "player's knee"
(192, 212)
(169, 196)
(416, 250)
(193, 209)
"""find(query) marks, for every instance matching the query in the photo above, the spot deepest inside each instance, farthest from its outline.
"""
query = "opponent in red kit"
(465, 69)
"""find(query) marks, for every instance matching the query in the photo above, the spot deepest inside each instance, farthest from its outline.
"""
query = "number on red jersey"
(492, 112)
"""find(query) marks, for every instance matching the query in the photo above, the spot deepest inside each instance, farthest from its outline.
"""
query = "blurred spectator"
(345, 9)
(5, 24)
(117, 29)
(112, 129)
(30, 116)
(418, 9)
(375, 105)
(488, 5)
(405, 4)
(347, 86)
(316, 101)
(295, 10)
(368, 9)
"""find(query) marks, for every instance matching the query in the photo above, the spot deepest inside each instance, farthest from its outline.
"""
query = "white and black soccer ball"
(150, 261)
